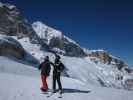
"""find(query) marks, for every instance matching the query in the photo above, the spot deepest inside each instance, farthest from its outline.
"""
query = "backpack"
(62, 67)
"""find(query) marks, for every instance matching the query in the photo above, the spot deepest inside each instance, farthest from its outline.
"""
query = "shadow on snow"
(66, 90)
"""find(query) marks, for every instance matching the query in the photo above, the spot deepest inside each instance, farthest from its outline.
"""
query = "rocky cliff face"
(12, 22)
(106, 58)
(11, 48)
(69, 48)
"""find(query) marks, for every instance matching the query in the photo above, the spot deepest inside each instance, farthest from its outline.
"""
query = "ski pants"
(56, 77)
(44, 86)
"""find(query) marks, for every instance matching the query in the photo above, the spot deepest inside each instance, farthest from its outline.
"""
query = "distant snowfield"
(22, 82)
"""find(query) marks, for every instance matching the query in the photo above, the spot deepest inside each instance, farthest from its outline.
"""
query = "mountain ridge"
(56, 39)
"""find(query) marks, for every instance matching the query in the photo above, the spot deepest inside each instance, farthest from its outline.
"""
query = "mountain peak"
(46, 32)
(56, 39)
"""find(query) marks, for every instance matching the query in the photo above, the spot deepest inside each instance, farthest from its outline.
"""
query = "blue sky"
(94, 24)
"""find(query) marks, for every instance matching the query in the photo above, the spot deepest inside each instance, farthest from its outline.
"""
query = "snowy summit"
(45, 32)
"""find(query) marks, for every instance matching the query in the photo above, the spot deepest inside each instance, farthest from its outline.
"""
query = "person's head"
(57, 58)
(46, 58)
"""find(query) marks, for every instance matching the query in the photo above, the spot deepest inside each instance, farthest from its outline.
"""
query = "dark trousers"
(56, 77)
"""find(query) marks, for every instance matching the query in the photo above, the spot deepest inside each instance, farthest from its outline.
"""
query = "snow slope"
(82, 69)
(25, 86)
(16, 67)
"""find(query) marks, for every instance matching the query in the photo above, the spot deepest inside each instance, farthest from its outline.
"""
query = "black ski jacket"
(58, 67)
(45, 68)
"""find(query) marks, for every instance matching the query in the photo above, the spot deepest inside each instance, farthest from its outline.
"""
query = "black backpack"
(59, 66)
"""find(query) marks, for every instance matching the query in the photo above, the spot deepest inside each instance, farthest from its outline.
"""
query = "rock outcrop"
(11, 48)
(12, 22)
(106, 58)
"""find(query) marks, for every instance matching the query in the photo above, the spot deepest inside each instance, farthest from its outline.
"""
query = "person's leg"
(54, 82)
(59, 82)
(45, 83)
(44, 86)
(42, 83)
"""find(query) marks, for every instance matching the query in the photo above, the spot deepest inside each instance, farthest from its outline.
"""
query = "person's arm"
(62, 66)
(40, 66)
(52, 64)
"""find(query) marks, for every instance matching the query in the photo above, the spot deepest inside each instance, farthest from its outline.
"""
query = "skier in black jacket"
(45, 70)
(58, 68)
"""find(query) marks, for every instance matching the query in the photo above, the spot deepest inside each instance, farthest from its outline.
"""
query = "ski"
(46, 92)
(50, 94)
(60, 96)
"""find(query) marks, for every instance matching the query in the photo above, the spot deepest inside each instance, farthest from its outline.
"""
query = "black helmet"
(46, 58)
(58, 57)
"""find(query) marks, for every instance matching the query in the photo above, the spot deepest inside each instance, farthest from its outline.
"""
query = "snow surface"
(33, 49)
(58, 50)
(98, 50)
(11, 6)
(1, 4)
(16, 67)
(24, 86)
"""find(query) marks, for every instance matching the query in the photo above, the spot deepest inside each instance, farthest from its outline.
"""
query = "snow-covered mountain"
(47, 33)
(61, 44)
(57, 41)
(85, 69)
